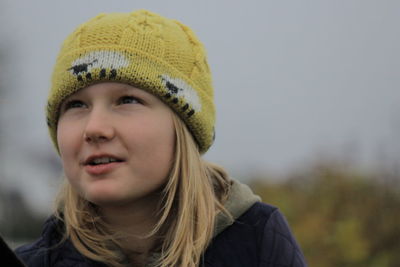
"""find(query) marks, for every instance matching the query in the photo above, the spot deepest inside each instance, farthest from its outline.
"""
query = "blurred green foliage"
(339, 216)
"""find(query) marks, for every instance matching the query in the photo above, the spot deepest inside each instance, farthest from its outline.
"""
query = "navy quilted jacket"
(258, 238)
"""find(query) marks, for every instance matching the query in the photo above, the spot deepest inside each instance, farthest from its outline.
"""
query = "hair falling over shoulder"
(193, 196)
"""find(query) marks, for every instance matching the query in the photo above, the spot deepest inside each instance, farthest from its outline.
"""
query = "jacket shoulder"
(279, 247)
(33, 254)
(37, 253)
(51, 250)
(260, 237)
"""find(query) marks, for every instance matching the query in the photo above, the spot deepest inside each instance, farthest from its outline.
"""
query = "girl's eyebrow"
(135, 91)
(127, 88)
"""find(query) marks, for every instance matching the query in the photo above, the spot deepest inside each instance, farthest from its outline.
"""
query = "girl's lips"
(102, 168)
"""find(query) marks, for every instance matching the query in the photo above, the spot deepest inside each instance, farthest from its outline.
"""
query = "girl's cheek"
(67, 137)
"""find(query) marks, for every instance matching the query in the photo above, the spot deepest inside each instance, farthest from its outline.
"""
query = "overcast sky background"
(294, 81)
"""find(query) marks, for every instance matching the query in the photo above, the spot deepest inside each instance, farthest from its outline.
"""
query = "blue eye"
(74, 104)
(128, 100)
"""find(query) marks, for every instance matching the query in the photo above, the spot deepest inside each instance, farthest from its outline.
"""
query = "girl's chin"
(102, 192)
(110, 199)
(104, 198)
(101, 200)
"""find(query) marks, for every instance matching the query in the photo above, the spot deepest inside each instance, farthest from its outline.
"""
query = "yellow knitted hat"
(145, 50)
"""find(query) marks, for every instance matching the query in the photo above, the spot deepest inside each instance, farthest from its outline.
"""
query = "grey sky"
(294, 80)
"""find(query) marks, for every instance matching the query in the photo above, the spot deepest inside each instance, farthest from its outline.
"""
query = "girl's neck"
(133, 223)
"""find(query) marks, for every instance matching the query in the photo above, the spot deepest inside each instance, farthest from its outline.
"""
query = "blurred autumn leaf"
(339, 216)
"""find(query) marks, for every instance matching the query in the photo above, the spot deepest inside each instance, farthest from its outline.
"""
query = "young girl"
(130, 112)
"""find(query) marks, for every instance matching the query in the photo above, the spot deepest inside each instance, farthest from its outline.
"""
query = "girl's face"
(116, 143)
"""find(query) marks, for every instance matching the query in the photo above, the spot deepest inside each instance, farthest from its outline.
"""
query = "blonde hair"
(192, 197)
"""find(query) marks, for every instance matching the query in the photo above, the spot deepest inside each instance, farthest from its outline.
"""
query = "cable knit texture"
(145, 50)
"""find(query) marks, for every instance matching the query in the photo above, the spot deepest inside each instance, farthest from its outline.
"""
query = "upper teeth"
(103, 160)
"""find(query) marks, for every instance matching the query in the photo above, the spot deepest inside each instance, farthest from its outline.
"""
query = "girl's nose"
(99, 127)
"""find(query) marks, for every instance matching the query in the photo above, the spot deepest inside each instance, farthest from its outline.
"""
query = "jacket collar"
(239, 200)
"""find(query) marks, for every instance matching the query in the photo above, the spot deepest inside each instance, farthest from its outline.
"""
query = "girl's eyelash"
(127, 99)
(73, 104)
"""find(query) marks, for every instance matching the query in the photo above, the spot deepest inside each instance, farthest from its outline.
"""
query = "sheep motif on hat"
(179, 88)
(102, 60)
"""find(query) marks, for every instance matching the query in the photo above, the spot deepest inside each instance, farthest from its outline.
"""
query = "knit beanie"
(145, 50)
